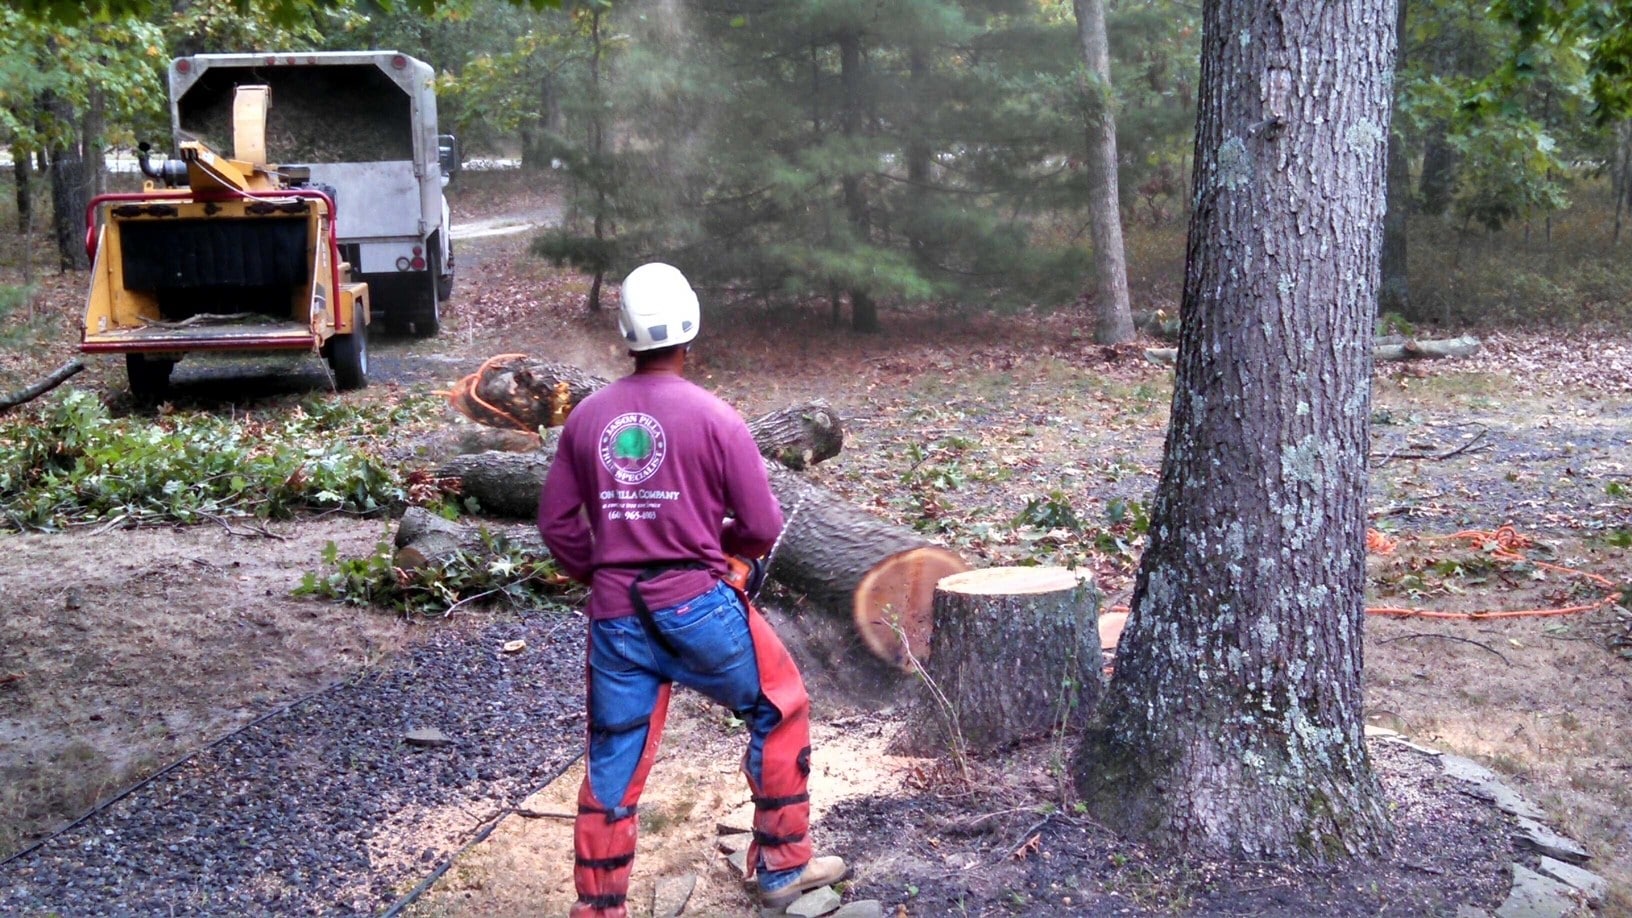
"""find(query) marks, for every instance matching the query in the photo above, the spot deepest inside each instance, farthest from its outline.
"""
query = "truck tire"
(149, 377)
(348, 354)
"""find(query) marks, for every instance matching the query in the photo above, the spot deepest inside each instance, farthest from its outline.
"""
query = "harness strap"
(777, 803)
(767, 840)
(605, 863)
(645, 612)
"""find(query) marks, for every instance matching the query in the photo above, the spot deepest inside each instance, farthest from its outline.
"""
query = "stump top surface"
(1010, 581)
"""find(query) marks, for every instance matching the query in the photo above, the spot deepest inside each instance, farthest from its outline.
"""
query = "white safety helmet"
(659, 308)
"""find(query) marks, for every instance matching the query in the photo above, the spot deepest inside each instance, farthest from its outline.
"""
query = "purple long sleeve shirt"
(647, 471)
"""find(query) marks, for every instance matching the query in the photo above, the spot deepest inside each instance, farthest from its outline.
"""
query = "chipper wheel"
(348, 354)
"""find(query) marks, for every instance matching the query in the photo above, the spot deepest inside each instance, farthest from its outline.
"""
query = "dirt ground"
(132, 647)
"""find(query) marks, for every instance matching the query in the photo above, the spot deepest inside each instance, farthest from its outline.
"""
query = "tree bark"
(863, 311)
(1232, 725)
(1113, 318)
(423, 539)
(1016, 655)
(22, 173)
(502, 483)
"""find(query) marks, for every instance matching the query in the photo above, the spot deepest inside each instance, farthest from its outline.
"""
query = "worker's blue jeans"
(714, 656)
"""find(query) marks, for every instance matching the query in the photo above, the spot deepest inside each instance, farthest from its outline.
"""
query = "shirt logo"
(632, 447)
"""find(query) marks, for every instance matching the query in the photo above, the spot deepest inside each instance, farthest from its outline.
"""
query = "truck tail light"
(184, 65)
(398, 61)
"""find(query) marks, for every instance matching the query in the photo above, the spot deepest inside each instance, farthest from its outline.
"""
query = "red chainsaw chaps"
(603, 841)
(782, 803)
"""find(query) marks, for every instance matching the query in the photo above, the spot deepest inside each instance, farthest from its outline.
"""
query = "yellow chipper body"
(233, 256)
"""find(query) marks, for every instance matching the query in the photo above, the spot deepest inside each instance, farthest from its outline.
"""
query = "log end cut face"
(899, 593)
(1013, 581)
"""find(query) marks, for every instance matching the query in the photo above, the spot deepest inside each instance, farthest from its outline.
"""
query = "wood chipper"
(231, 256)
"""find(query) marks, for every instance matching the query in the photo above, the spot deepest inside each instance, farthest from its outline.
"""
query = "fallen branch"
(1474, 441)
(1410, 349)
(1448, 637)
(58, 376)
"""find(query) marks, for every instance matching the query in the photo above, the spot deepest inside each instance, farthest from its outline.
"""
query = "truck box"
(361, 126)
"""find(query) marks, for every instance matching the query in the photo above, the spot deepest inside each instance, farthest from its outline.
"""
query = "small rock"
(1591, 885)
(737, 841)
(1465, 769)
(1487, 785)
(866, 908)
(429, 737)
(815, 903)
(739, 860)
(1373, 730)
(1535, 835)
(725, 828)
(671, 895)
(1536, 896)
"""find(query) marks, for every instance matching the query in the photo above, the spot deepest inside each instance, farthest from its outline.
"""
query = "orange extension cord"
(1508, 542)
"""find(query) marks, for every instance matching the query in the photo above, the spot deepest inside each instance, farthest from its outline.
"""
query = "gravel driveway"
(323, 808)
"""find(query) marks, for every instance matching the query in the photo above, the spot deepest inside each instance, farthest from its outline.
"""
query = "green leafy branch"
(502, 573)
(71, 463)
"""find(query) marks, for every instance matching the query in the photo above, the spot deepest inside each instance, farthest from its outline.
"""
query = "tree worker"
(656, 495)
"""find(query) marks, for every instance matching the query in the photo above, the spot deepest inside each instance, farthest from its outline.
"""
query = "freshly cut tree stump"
(850, 562)
(1016, 654)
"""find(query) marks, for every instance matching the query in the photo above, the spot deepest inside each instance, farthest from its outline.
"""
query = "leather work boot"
(819, 872)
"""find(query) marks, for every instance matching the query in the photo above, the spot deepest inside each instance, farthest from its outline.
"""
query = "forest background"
(902, 153)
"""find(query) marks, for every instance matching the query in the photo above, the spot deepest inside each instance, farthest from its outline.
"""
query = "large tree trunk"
(1232, 725)
(1394, 288)
(863, 311)
(1113, 318)
(1016, 656)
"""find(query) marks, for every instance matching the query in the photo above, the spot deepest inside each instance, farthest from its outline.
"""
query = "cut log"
(874, 577)
(463, 438)
(1016, 656)
(1385, 349)
(423, 539)
(1414, 349)
(800, 436)
(504, 484)
(517, 391)
(845, 560)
